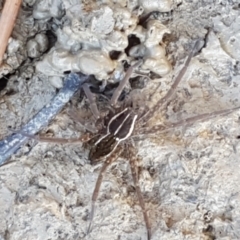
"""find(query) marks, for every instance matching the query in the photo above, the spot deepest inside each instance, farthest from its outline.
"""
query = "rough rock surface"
(189, 176)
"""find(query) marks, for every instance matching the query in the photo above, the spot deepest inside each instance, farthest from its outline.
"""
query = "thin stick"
(8, 17)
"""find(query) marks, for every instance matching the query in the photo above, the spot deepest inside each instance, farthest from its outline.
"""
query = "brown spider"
(114, 136)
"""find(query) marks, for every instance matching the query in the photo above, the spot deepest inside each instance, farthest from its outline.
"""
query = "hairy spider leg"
(133, 159)
(92, 100)
(123, 83)
(202, 117)
(91, 97)
(163, 101)
(84, 138)
(75, 116)
(111, 158)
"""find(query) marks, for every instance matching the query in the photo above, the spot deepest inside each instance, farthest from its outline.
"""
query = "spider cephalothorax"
(119, 129)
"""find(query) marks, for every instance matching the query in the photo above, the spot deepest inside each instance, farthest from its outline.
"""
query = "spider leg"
(75, 116)
(91, 99)
(163, 101)
(96, 192)
(133, 159)
(202, 117)
(123, 83)
(111, 158)
(86, 137)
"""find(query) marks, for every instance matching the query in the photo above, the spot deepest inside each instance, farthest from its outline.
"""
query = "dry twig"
(8, 17)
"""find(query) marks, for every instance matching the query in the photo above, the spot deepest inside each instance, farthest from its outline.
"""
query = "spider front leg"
(92, 100)
(123, 83)
(133, 160)
(109, 159)
(76, 117)
(163, 101)
(202, 117)
(85, 138)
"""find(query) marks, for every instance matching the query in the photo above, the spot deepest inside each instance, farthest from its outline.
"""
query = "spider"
(113, 137)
